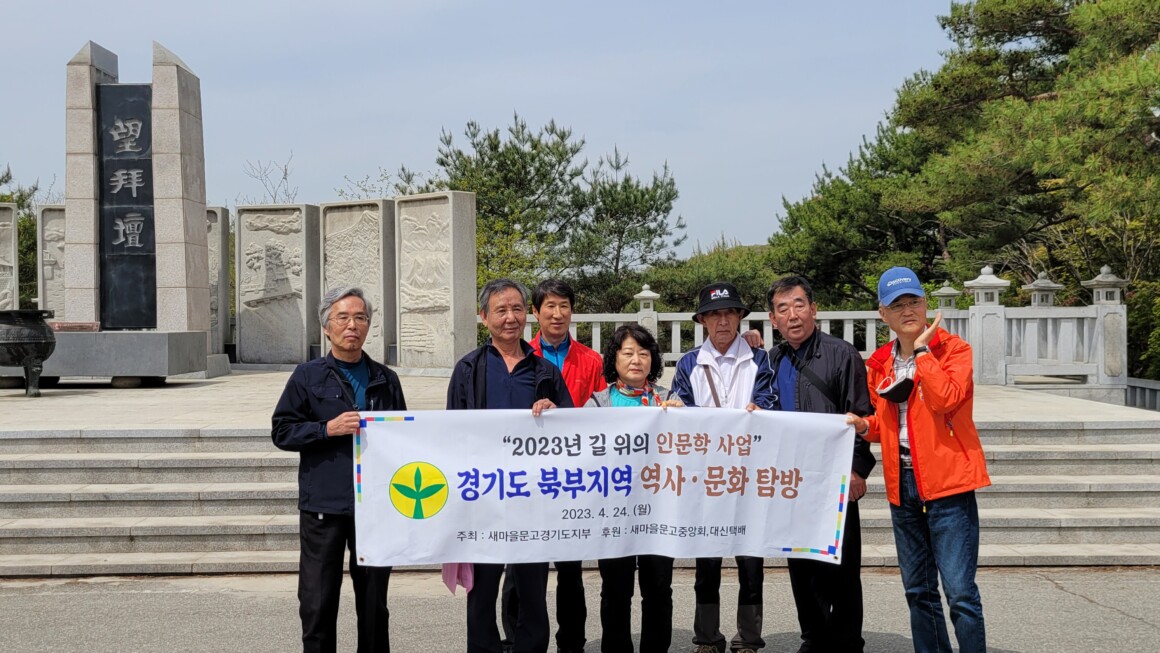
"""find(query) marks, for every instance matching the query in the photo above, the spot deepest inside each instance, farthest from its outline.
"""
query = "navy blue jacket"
(839, 364)
(316, 393)
(468, 386)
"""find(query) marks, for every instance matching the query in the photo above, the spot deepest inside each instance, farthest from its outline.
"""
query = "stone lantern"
(647, 314)
(946, 296)
(987, 287)
(1106, 287)
(1043, 291)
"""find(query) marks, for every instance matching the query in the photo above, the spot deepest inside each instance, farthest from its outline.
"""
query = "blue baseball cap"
(897, 282)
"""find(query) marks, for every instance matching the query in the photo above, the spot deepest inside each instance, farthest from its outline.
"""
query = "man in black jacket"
(818, 373)
(316, 416)
(506, 373)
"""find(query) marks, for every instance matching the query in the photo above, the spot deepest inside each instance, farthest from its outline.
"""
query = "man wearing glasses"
(316, 416)
(820, 373)
(923, 393)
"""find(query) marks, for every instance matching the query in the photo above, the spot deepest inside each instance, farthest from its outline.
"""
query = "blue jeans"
(941, 541)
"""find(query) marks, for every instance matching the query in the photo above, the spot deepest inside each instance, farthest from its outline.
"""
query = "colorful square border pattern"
(362, 424)
(831, 550)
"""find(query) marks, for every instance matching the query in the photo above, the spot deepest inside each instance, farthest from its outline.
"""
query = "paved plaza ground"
(1027, 610)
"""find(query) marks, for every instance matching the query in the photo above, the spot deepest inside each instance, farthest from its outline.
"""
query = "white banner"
(591, 483)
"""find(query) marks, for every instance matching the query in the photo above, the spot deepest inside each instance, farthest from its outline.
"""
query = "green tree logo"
(418, 490)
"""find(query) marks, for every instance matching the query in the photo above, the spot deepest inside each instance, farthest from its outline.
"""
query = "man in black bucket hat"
(726, 372)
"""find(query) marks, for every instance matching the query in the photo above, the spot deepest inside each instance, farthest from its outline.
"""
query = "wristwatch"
(921, 350)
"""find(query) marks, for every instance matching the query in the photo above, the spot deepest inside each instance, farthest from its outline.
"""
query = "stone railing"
(1143, 393)
(1077, 351)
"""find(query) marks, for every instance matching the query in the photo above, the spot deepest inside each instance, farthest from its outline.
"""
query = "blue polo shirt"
(515, 389)
(787, 376)
(359, 376)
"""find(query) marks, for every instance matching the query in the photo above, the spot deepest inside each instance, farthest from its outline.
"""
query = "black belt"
(905, 451)
(904, 457)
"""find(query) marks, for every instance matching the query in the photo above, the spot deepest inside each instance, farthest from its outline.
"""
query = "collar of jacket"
(707, 355)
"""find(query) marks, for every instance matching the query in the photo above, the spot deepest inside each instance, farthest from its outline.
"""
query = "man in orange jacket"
(923, 395)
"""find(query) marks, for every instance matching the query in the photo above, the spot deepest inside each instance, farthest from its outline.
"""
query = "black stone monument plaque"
(128, 252)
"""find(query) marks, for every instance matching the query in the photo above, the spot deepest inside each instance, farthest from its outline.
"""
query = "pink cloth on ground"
(458, 573)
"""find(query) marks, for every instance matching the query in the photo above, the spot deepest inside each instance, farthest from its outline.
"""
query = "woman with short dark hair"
(632, 364)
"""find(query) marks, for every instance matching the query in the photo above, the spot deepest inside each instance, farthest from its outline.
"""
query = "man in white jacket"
(725, 372)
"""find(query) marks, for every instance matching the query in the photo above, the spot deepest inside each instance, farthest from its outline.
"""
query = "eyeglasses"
(914, 304)
(359, 318)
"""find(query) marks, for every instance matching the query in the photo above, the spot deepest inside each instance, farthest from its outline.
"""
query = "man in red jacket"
(583, 371)
(923, 395)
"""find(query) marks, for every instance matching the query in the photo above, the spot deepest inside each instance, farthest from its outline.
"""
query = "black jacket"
(840, 365)
(468, 386)
(316, 393)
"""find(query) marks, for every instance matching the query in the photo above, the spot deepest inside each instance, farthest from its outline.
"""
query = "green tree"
(627, 228)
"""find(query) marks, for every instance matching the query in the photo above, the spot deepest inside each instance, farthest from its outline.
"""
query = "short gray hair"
(499, 285)
(337, 294)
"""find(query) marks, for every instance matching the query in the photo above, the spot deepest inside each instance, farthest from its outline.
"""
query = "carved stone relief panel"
(50, 258)
(218, 240)
(358, 251)
(277, 278)
(9, 259)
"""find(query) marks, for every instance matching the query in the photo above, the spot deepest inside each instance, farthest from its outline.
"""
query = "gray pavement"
(1027, 610)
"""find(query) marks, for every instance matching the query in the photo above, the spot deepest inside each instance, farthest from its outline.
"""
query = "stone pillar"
(50, 227)
(91, 66)
(276, 252)
(218, 241)
(358, 249)
(988, 328)
(9, 259)
(437, 280)
(179, 196)
(1112, 328)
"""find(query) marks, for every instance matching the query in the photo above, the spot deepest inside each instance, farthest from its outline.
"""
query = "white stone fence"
(1076, 351)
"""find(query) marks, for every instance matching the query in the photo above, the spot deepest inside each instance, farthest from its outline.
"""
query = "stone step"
(280, 532)
(153, 500)
(256, 562)
(1069, 432)
(1083, 459)
(1043, 526)
(139, 440)
(128, 467)
(150, 534)
(1048, 491)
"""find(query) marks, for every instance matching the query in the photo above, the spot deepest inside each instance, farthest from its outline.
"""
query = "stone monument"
(9, 259)
(437, 285)
(50, 258)
(135, 255)
(277, 249)
(358, 249)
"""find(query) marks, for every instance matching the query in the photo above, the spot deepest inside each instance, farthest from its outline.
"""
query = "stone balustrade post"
(1111, 328)
(988, 328)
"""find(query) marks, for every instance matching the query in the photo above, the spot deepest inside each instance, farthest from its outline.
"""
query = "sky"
(745, 101)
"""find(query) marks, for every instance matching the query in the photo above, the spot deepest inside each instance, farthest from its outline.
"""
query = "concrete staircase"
(182, 501)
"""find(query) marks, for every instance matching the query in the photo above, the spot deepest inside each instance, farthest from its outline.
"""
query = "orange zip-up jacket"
(583, 370)
(944, 444)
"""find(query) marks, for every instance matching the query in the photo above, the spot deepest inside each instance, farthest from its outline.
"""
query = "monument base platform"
(124, 353)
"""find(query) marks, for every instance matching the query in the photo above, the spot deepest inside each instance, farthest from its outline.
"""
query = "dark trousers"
(323, 541)
(531, 623)
(656, 603)
(829, 597)
(571, 611)
(707, 619)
